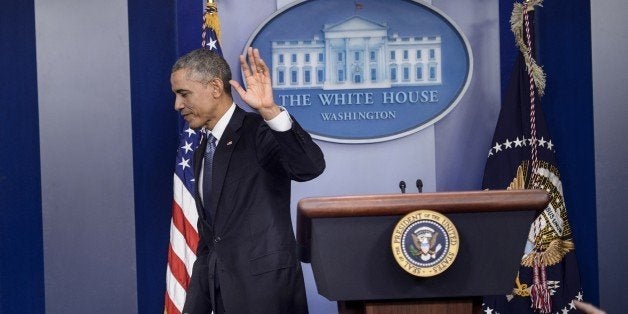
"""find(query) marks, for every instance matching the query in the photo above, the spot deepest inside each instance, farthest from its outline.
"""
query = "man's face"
(197, 102)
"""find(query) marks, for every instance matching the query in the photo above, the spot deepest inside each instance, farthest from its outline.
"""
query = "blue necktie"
(207, 176)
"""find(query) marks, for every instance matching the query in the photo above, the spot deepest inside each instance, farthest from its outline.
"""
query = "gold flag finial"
(210, 17)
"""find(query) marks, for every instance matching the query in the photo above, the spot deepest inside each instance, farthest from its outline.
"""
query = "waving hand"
(259, 90)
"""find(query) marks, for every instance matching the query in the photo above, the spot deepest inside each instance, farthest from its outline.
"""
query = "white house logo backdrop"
(367, 71)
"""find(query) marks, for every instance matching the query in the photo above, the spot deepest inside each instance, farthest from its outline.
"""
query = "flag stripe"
(178, 268)
(184, 226)
(176, 292)
(180, 248)
(185, 200)
(170, 307)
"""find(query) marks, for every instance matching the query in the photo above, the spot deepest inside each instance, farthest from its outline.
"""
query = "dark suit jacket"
(250, 242)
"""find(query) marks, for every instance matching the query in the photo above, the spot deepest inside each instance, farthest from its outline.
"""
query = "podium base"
(427, 306)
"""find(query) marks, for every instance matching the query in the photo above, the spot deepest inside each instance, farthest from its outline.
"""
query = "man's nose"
(178, 105)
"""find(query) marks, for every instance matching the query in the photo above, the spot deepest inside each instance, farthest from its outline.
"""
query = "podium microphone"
(419, 185)
(402, 186)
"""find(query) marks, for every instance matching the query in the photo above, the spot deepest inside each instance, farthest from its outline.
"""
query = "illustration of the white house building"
(356, 53)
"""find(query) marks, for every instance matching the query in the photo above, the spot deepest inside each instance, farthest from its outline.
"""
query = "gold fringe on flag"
(211, 17)
(516, 25)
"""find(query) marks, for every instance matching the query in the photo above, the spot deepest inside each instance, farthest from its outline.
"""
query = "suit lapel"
(225, 148)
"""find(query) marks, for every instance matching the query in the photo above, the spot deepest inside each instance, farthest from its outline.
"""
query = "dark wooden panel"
(433, 306)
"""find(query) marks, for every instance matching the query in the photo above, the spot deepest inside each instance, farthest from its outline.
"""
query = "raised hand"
(259, 90)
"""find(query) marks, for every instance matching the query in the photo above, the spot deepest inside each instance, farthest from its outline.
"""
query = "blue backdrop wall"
(152, 51)
(564, 39)
(21, 248)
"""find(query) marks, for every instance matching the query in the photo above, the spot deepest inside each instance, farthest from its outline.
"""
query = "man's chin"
(195, 126)
(193, 123)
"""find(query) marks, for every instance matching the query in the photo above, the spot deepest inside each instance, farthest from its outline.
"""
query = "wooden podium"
(347, 240)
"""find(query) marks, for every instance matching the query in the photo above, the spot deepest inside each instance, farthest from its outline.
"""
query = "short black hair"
(203, 65)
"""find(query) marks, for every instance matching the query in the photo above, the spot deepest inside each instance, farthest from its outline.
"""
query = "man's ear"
(217, 87)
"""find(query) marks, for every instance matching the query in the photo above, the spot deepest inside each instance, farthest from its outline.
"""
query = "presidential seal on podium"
(425, 243)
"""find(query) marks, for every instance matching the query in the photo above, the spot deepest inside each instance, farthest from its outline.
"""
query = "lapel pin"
(229, 143)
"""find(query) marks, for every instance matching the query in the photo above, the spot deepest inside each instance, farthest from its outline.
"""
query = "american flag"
(183, 228)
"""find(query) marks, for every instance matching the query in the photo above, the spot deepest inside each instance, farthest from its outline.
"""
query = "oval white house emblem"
(425, 243)
(366, 71)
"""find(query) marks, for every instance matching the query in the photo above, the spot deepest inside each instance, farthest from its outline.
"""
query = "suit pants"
(203, 293)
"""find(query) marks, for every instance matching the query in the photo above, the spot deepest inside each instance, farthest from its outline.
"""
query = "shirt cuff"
(281, 122)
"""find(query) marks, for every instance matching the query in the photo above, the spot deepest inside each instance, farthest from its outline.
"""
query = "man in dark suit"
(246, 257)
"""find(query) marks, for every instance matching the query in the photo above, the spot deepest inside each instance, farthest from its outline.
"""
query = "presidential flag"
(522, 156)
(183, 228)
